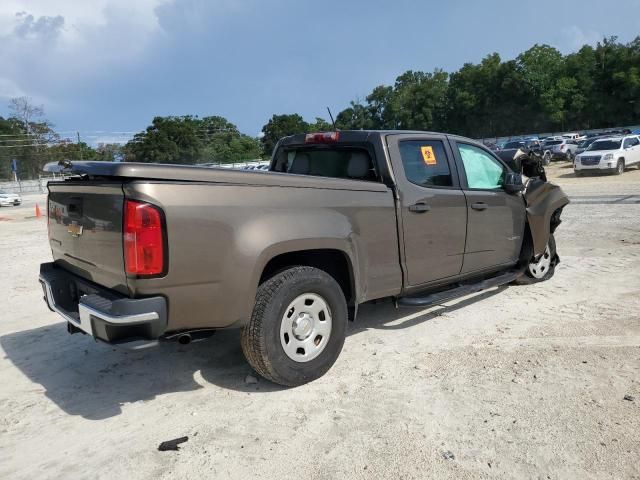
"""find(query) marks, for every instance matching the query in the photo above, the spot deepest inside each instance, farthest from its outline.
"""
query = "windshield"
(509, 145)
(605, 145)
(586, 143)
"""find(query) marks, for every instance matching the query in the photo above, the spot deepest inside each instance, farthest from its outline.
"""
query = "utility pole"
(79, 147)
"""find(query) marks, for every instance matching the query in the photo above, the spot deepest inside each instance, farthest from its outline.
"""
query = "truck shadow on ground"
(94, 380)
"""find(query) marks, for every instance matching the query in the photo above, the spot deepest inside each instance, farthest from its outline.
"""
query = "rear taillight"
(326, 137)
(561, 147)
(143, 239)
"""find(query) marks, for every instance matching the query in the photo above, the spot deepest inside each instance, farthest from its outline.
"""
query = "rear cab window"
(348, 162)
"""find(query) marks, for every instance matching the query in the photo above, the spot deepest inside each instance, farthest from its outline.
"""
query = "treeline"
(539, 91)
(32, 141)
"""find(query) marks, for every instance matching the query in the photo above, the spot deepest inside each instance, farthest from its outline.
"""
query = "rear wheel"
(542, 268)
(297, 328)
(546, 158)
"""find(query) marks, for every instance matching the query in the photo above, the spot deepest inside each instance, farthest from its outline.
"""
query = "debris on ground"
(250, 380)
(172, 444)
(629, 398)
(448, 455)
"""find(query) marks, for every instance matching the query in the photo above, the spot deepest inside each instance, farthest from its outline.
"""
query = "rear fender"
(543, 200)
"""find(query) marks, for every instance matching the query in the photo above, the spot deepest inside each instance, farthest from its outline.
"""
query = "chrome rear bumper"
(102, 313)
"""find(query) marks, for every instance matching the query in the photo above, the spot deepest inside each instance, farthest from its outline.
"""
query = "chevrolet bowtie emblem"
(75, 230)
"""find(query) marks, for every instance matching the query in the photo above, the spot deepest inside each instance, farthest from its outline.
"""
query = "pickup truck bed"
(143, 252)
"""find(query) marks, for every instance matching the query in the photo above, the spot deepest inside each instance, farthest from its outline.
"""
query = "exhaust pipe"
(186, 337)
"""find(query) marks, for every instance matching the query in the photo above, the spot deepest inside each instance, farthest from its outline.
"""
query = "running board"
(460, 291)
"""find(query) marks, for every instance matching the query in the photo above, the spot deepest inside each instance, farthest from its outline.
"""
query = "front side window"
(425, 163)
(482, 170)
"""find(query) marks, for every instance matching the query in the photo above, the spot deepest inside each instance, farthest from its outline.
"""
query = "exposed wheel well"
(334, 262)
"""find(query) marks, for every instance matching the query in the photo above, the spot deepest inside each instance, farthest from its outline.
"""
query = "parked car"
(611, 154)
(574, 136)
(584, 144)
(9, 199)
(530, 146)
(564, 149)
(341, 218)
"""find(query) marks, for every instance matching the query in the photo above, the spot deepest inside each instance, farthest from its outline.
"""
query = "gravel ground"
(516, 382)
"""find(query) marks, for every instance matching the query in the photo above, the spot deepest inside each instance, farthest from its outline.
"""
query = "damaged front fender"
(544, 202)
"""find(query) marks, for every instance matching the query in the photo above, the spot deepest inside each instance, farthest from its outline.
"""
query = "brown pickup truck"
(146, 252)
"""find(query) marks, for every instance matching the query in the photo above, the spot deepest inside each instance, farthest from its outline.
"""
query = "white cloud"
(575, 37)
(8, 89)
(45, 45)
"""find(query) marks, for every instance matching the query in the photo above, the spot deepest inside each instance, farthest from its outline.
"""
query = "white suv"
(564, 148)
(612, 154)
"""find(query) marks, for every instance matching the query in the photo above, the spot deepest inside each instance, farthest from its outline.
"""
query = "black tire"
(570, 156)
(546, 159)
(619, 168)
(260, 339)
(528, 278)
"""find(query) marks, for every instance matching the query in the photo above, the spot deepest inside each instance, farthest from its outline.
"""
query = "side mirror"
(513, 183)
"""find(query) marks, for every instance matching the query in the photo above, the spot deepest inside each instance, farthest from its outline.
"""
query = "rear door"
(496, 219)
(85, 231)
(432, 207)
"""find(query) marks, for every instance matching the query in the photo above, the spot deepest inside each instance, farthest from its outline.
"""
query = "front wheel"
(543, 268)
(546, 159)
(297, 328)
(619, 168)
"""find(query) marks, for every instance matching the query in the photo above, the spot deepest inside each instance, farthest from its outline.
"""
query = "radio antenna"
(332, 120)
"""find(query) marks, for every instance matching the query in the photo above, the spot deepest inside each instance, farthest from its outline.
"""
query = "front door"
(496, 219)
(433, 212)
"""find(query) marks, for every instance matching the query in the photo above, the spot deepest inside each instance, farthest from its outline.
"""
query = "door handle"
(479, 206)
(419, 208)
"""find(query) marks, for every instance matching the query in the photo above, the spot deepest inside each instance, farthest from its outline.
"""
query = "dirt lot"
(518, 382)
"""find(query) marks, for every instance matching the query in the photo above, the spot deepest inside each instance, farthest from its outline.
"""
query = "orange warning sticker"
(428, 156)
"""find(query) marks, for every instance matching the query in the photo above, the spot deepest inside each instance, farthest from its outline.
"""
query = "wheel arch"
(545, 202)
(334, 261)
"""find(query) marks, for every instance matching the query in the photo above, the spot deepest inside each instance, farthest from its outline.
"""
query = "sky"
(102, 67)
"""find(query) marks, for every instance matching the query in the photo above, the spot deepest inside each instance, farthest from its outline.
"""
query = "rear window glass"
(335, 162)
(553, 142)
(425, 163)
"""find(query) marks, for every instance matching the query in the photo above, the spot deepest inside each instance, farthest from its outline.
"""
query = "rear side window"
(425, 163)
(339, 162)
(482, 170)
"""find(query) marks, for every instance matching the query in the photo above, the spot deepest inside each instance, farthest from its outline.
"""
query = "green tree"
(281, 126)
(27, 138)
(191, 140)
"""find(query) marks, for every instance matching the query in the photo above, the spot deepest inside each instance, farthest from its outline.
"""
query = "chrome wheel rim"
(540, 268)
(305, 328)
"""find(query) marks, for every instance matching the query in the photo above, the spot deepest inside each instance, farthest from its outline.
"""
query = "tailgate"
(85, 231)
